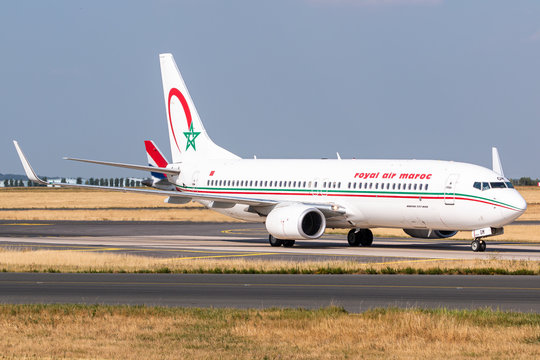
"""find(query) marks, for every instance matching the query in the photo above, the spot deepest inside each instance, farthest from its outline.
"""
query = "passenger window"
(315, 184)
(420, 187)
(426, 187)
(477, 185)
(414, 186)
(410, 185)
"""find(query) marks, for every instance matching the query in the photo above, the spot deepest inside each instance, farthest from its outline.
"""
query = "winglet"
(26, 165)
(497, 166)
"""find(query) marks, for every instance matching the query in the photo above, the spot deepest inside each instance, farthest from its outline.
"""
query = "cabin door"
(450, 189)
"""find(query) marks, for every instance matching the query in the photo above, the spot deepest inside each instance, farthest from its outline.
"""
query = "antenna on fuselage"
(496, 161)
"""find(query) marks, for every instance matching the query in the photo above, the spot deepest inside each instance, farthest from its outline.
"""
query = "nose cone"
(520, 203)
(518, 207)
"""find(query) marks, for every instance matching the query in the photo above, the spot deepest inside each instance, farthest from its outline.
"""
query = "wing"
(175, 194)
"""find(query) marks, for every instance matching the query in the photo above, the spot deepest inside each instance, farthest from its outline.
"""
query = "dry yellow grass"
(14, 198)
(106, 332)
(84, 261)
(175, 214)
(126, 204)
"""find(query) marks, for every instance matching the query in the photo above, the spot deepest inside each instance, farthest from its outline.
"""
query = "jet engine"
(293, 222)
(426, 234)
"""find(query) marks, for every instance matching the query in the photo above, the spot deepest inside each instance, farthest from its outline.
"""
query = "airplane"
(300, 199)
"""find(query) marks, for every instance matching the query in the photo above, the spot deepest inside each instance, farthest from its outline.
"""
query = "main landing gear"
(278, 242)
(478, 245)
(358, 237)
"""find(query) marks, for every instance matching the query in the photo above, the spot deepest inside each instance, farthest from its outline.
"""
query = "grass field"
(122, 332)
(81, 261)
(101, 205)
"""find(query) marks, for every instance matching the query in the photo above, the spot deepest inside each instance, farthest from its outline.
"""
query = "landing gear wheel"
(362, 237)
(475, 245)
(274, 242)
(288, 243)
(367, 237)
(482, 246)
(352, 238)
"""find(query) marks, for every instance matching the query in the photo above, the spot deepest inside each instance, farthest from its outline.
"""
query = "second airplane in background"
(299, 199)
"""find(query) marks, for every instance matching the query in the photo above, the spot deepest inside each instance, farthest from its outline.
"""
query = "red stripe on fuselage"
(342, 195)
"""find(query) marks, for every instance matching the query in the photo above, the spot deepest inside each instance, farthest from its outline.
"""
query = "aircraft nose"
(520, 203)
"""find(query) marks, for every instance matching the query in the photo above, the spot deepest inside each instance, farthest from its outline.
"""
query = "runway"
(228, 240)
(355, 293)
(188, 241)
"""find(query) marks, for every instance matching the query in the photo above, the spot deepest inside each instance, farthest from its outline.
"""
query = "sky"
(402, 79)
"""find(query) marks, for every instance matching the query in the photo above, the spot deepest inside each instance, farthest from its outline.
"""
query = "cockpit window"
(498, 185)
(485, 186)
(477, 185)
(509, 185)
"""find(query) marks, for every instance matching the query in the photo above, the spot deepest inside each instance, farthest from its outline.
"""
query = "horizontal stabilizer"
(129, 166)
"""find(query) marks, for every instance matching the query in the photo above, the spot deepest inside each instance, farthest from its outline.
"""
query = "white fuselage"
(422, 194)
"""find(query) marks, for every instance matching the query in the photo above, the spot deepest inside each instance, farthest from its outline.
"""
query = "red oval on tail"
(179, 96)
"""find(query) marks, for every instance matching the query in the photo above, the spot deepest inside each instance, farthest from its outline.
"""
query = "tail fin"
(155, 158)
(187, 135)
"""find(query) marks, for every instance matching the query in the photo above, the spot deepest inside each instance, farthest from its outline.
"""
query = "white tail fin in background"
(496, 161)
(187, 135)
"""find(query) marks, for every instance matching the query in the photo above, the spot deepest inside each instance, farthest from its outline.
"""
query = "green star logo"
(191, 136)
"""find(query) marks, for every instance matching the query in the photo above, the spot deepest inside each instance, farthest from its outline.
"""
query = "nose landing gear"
(480, 245)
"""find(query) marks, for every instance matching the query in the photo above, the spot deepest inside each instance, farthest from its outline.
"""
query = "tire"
(352, 238)
(475, 245)
(367, 237)
(288, 243)
(482, 246)
(274, 242)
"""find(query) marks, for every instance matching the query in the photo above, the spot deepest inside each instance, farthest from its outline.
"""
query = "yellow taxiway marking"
(269, 285)
(25, 224)
(219, 256)
(76, 248)
(242, 231)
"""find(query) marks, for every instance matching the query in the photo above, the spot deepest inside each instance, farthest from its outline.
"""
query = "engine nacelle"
(293, 222)
(425, 234)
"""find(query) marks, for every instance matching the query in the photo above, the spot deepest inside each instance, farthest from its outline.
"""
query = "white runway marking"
(382, 247)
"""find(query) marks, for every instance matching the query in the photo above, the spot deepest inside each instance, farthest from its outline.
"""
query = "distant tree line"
(116, 182)
(525, 181)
